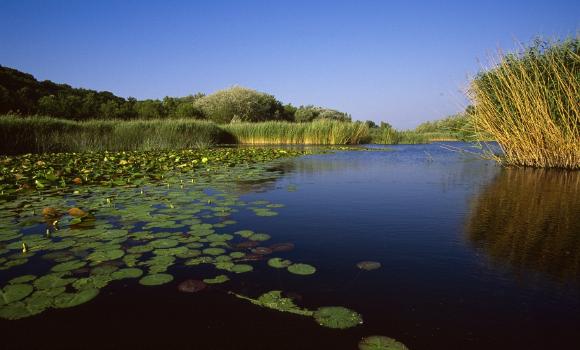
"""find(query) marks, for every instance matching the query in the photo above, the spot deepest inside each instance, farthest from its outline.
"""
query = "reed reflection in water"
(529, 220)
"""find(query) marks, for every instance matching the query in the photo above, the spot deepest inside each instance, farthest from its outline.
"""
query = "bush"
(240, 104)
(311, 113)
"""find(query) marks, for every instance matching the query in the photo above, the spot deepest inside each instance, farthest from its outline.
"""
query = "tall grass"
(390, 136)
(46, 134)
(321, 132)
(529, 103)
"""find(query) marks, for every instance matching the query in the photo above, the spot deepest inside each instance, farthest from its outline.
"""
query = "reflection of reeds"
(530, 220)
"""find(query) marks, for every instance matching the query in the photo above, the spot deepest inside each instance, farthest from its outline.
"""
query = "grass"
(321, 132)
(389, 136)
(528, 103)
(45, 134)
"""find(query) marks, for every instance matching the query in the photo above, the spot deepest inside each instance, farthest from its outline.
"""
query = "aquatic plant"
(191, 286)
(528, 102)
(379, 342)
(337, 317)
(368, 265)
(301, 269)
(274, 300)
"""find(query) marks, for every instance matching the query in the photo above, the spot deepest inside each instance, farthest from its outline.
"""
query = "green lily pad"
(156, 279)
(127, 273)
(106, 255)
(214, 251)
(22, 279)
(18, 310)
(66, 300)
(245, 233)
(217, 279)
(69, 265)
(301, 269)
(274, 300)
(14, 292)
(92, 282)
(279, 263)
(337, 317)
(379, 342)
(164, 243)
(259, 237)
(51, 281)
(241, 268)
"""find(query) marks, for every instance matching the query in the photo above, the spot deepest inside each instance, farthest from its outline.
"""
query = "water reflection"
(529, 219)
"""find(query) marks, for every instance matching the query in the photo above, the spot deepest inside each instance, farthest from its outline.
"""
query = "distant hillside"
(22, 94)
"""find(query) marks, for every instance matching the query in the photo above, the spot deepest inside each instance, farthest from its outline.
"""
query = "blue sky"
(399, 61)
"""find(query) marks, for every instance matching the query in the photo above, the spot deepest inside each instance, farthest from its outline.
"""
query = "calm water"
(473, 257)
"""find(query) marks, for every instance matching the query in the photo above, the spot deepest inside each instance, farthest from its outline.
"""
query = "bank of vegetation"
(528, 101)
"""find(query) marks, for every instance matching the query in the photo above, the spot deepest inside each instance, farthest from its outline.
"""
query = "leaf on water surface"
(53, 280)
(368, 265)
(274, 300)
(244, 233)
(214, 251)
(68, 266)
(379, 342)
(66, 300)
(241, 268)
(156, 279)
(279, 263)
(217, 279)
(337, 317)
(22, 279)
(18, 310)
(163, 243)
(105, 255)
(14, 292)
(259, 237)
(127, 273)
(301, 269)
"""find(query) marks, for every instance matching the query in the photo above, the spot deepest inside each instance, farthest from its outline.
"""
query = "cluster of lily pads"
(71, 224)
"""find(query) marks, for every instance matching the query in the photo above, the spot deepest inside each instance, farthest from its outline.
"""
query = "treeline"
(22, 94)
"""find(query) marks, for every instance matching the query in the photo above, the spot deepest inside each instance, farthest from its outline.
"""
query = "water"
(473, 257)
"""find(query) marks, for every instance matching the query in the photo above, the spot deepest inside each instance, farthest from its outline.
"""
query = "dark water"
(473, 257)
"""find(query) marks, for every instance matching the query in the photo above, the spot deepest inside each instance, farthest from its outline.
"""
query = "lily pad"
(217, 279)
(66, 300)
(129, 272)
(214, 251)
(22, 279)
(302, 269)
(18, 310)
(14, 292)
(337, 317)
(279, 263)
(106, 255)
(241, 268)
(259, 237)
(379, 342)
(164, 243)
(51, 281)
(156, 279)
(368, 265)
(274, 300)
(69, 265)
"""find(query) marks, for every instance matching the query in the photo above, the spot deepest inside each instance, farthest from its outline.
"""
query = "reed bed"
(322, 132)
(529, 102)
(45, 134)
(389, 136)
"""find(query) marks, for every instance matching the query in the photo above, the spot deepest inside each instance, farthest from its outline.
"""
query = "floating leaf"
(214, 251)
(69, 265)
(106, 255)
(282, 247)
(51, 281)
(379, 342)
(337, 317)
(274, 300)
(66, 300)
(259, 237)
(217, 279)
(22, 279)
(18, 310)
(241, 268)
(156, 279)
(301, 269)
(164, 243)
(279, 263)
(368, 265)
(14, 292)
(127, 273)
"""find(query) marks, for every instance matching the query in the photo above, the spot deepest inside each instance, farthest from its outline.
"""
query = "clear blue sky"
(398, 61)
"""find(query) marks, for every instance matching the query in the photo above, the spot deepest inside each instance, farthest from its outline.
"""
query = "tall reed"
(321, 132)
(529, 102)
